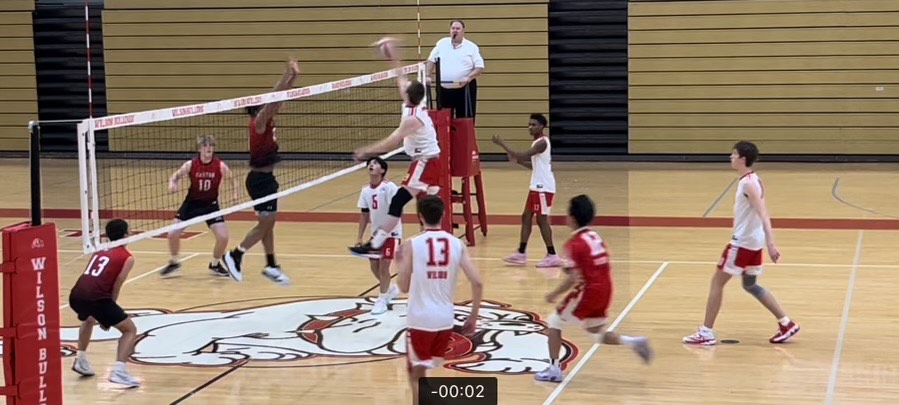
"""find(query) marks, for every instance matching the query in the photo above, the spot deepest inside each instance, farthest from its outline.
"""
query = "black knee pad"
(399, 200)
(751, 287)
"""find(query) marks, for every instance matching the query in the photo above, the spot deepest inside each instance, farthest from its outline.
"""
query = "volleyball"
(386, 47)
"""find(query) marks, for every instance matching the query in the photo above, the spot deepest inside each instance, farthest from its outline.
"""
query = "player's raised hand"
(294, 67)
(497, 140)
(173, 186)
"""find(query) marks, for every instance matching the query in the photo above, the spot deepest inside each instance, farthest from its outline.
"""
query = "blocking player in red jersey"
(261, 182)
(743, 255)
(94, 300)
(206, 172)
(586, 263)
(428, 266)
(373, 200)
(419, 138)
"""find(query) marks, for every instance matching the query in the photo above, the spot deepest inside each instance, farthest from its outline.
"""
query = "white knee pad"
(433, 190)
(555, 321)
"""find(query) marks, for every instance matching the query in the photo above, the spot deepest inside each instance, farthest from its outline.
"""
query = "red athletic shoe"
(784, 333)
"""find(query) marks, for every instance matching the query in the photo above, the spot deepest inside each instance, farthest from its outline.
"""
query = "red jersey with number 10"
(98, 279)
(587, 252)
(264, 146)
(205, 179)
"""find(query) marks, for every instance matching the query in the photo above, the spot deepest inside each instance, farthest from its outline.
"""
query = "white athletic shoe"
(83, 367)
(551, 374)
(380, 306)
(276, 275)
(703, 337)
(392, 292)
(121, 376)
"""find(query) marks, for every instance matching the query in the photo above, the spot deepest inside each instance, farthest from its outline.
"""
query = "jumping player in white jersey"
(373, 201)
(542, 190)
(416, 132)
(743, 255)
(428, 265)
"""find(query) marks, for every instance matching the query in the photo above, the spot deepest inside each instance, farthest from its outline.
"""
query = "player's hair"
(204, 140)
(381, 162)
(416, 92)
(253, 110)
(581, 208)
(458, 21)
(116, 229)
(539, 118)
(747, 150)
(431, 210)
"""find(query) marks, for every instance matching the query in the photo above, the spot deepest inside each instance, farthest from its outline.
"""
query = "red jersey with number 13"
(264, 146)
(98, 279)
(205, 179)
(587, 252)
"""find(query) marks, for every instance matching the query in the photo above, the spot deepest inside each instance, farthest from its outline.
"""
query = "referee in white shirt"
(460, 65)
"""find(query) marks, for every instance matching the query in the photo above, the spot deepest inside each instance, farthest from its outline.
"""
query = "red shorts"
(388, 251)
(738, 261)
(586, 307)
(539, 202)
(422, 174)
(424, 348)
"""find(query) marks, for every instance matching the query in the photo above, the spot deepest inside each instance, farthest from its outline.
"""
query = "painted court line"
(836, 196)
(558, 391)
(717, 201)
(496, 259)
(186, 258)
(844, 322)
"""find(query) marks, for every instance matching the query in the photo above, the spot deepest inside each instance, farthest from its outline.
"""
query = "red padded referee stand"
(32, 365)
(460, 157)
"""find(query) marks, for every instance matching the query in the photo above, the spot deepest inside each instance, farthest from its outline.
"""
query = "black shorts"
(261, 184)
(192, 209)
(105, 311)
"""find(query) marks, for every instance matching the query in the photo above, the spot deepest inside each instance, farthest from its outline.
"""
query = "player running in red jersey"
(206, 172)
(94, 300)
(586, 262)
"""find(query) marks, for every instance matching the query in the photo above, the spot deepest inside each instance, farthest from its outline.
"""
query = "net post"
(83, 182)
(437, 86)
(34, 160)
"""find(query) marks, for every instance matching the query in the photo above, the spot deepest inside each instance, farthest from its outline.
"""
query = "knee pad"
(751, 287)
(555, 321)
(433, 190)
(399, 200)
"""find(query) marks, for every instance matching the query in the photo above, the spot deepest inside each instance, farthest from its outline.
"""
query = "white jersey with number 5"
(748, 230)
(542, 178)
(377, 201)
(436, 259)
(423, 142)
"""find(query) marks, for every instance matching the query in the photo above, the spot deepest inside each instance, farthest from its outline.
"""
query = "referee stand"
(460, 158)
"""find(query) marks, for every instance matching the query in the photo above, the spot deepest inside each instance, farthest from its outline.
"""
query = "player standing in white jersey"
(419, 138)
(373, 202)
(542, 190)
(429, 264)
(743, 256)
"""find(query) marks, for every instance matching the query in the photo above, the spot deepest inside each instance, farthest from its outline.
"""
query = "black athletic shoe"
(219, 270)
(172, 270)
(365, 251)
(232, 261)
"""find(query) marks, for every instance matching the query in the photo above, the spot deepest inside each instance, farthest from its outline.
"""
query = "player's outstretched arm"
(407, 127)
(522, 158)
(364, 219)
(477, 291)
(574, 277)
(269, 111)
(758, 203)
(120, 281)
(182, 171)
(404, 267)
(235, 182)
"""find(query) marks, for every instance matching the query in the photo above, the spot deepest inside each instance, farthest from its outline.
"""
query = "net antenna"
(95, 205)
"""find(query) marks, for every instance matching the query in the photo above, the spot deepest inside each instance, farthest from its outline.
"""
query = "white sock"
(555, 363)
(784, 321)
(215, 262)
(378, 239)
(627, 340)
(704, 329)
(119, 366)
(174, 259)
(241, 249)
(82, 355)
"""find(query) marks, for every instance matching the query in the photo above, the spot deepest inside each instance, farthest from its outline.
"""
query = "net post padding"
(92, 238)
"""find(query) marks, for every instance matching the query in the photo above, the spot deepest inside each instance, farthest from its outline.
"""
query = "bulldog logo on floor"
(329, 331)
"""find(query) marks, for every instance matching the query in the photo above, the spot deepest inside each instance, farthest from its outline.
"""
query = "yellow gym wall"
(797, 76)
(152, 63)
(17, 77)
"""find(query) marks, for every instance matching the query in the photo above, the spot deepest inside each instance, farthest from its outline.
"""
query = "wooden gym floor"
(209, 340)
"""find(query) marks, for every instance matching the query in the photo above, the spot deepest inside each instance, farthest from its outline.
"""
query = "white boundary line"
(844, 322)
(558, 391)
(133, 279)
(495, 259)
